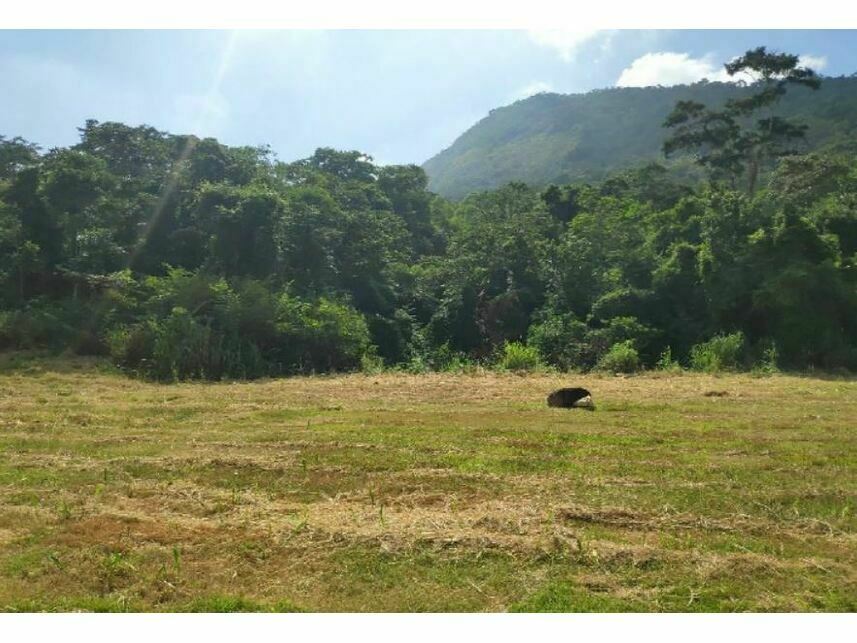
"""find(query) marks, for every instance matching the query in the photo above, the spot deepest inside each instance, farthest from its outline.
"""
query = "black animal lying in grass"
(571, 398)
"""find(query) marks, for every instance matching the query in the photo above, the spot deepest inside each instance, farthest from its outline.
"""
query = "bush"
(238, 329)
(667, 363)
(619, 330)
(621, 358)
(371, 364)
(322, 335)
(21, 329)
(445, 359)
(183, 348)
(559, 340)
(720, 353)
(569, 343)
(49, 324)
(131, 346)
(519, 357)
(767, 363)
(417, 365)
(180, 347)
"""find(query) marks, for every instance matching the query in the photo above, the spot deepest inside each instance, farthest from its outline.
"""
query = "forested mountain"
(182, 257)
(555, 138)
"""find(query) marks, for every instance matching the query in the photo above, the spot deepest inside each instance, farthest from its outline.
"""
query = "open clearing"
(425, 493)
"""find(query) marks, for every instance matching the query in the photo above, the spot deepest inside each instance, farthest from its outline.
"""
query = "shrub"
(667, 363)
(394, 338)
(371, 364)
(559, 340)
(445, 359)
(621, 358)
(130, 346)
(417, 365)
(42, 324)
(321, 335)
(184, 348)
(569, 343)
(619, 330)
(519, 357)
(180, 347)
(720, 353)
(238, 330)
(767, 364)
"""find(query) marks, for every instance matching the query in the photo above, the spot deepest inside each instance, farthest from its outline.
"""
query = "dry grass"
(432, 492)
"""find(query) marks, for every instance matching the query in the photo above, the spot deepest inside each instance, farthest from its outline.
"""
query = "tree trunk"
(752, 173)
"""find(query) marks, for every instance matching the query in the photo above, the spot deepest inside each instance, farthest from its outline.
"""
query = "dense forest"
(556, 138)
(186, 258)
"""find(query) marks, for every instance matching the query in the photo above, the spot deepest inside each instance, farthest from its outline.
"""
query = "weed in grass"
(64, 511)
(216, 604)
(114, 565)
(54, 559)
(177, 559)
(563, 596)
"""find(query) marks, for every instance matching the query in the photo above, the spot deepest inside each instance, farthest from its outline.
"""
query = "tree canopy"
(724, 142)
(182, 257)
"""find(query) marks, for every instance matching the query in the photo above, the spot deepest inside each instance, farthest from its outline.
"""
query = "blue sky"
(400, 96)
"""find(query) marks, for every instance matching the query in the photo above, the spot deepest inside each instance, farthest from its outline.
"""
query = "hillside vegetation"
(183, 258)
(555, 138)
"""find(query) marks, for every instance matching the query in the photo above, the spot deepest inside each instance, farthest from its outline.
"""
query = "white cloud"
(671, 68)
(536, 87)
(816, 63)
(565, 42)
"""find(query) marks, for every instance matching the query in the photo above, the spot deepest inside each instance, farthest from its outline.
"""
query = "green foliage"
(723, 143)
(565, 597)
(585, 138)
(618, 331)
(181, 347)
(621, 358)
(445, 359)
(768, 361)
(322, 335)
(560, 340)
(519, 357)
(371, 364)
(667, 363)
(720, 353)
(27, 329)
(232, 335)
(231, 604)
(15, 155)
(185, 258)
(55, 325)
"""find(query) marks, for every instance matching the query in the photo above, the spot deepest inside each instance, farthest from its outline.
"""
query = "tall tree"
(729, 142)
(16, 154)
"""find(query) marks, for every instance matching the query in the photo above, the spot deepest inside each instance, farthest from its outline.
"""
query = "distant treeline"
(185, 258)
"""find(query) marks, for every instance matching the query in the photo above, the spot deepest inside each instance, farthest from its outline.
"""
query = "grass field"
(425, 493)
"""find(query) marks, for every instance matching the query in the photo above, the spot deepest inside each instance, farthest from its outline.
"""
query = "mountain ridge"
(563, 138)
